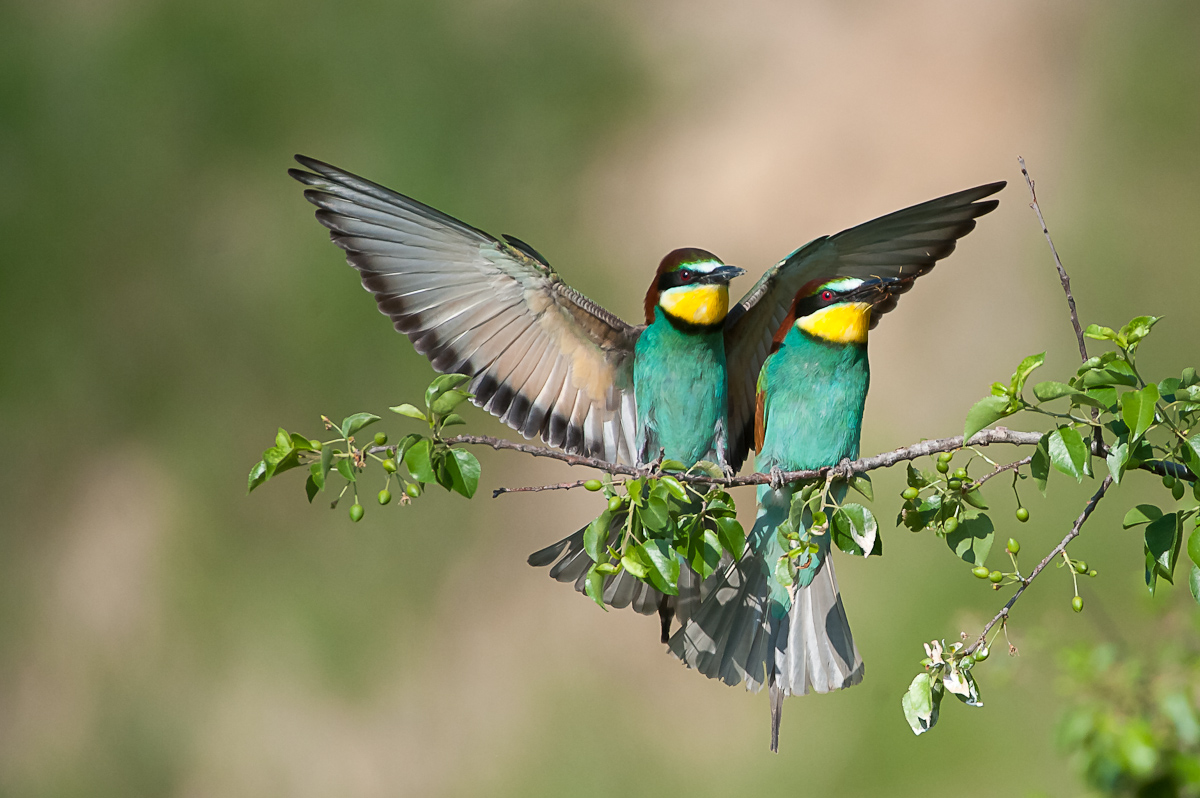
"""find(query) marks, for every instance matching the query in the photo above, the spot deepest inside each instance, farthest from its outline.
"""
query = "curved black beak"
(722, 274)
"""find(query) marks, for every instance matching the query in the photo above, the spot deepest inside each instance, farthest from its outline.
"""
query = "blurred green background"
(166, 300)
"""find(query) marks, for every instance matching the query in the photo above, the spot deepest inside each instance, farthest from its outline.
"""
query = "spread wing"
(906, 243)
(542, 357)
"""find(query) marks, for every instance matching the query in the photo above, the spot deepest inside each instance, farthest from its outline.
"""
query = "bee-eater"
(811, 392)
(548, 361)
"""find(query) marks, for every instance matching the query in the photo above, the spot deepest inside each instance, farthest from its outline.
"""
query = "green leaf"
(1137, 410)
(986, 411)
(1100, 333)
(785, 571)
(417, 460)
(656, 514)
(672, 465)
(841, 529)
(447, 401)
(258, 475)
(920, 704)
(1104, 397)
(1193, 547)
(464, 469)
(703, 552)
(635, 562)
(301, 443)
(453, 420)
(1162, 544)
(915, 478)
(594, 587)
(410, 411)
(315, 481)
(595, 537)
(1115, 372)
(283, 441)
(662, 566)
(974, 498)
(1137, 329)
(1068, 451)
(1142, 514)
(973, 539)
(1194, 583)
(326, 462)
(862, 484)
(1117, 459)
(864, 529)
(1049, 391)
(1039, 466)
(346, 469)
(443, 383)
(1027, 367)
(352, 424)
(732, 536)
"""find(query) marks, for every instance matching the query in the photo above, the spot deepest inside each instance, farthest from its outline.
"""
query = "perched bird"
(548, 361)
(812, 389)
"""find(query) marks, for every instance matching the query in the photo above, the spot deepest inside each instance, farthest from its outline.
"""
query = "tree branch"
(1062, 273)
(1002, 615)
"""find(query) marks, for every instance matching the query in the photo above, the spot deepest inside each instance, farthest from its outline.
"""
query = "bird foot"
(776, 477)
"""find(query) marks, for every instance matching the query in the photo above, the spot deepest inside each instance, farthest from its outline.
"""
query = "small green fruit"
(1077, 604)
(996, 577)
(1081, 567)
(981, 571)
(943, 467)
(954, 484)
(910, 494)
(380, 438)
(615, 503)
(1168, 481)
(1022, 515)
(317, 445)
(389, 466)
(356, 512)
(593, 485)
(945, 457)
(1177, 491)
(385, 496)
(960, 473)
(980, 654)
(1013, 546)
(1093, 572)
(413, 490)
(950, 525)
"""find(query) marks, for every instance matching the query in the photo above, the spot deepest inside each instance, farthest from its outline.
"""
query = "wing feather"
(906, 243)
(545, 359)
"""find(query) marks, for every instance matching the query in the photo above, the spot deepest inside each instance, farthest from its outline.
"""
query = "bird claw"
(842, 470)
(776, 477)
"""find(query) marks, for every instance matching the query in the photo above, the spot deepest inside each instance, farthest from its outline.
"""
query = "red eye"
(686, 275)
(826, 296)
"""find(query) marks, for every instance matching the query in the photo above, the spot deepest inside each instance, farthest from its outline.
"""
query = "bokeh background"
(166, 301)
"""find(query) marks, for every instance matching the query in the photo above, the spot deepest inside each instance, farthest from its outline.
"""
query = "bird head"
(839, 310)
(691, 286)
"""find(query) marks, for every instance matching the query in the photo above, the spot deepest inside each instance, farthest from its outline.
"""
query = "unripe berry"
(960, 473)
(1168, 481)
(1014, 546)
(1093, 572)
(1081, 567)
(943, 466)
(317, 445)
(954, 484)
(980, 654)
(1022, 514)
(1077, 604)
(950, 525)
(1177, 491)
(385, 496)
(389, 466)
(380, 438)
(356, 512)
(593, 485)
(615, 503)
(910, 494)
(413, 490)
(945, 457)
(996, 577)
(981, 571)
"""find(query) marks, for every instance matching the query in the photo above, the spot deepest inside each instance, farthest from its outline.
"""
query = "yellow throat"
(840, 324)
(700, 304)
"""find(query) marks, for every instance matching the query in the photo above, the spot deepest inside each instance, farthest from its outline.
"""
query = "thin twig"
(1013, 466)
(1002, 615)
(579, 483)
(1062, 273)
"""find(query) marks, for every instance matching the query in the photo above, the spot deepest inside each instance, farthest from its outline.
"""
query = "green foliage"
(1133, 727)
(427, 459)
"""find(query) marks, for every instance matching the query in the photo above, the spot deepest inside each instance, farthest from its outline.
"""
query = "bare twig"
(579, 483)
(1002, 615)
(1062, 273)
(1013, 466)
